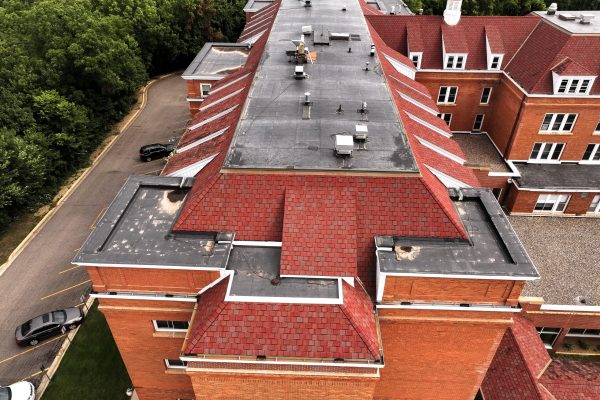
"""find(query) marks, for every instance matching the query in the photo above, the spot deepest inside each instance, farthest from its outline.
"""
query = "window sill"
(447, 104)
(175, 371)
(596, 133)
(555, 133)
(165, 334)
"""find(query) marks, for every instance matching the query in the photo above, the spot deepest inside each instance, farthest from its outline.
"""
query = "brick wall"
(469, 95)
(143, 353)
(521, 201)
(491, 182)
(532, 115)
(265, 387)
(150, 280)
(437, 355)
(451, 290)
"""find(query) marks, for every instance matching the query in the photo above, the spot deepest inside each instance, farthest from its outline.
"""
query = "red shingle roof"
(319, 232)
(454, 39)
(573, 380)
(568, 67)
(494, 39)
(285, 330)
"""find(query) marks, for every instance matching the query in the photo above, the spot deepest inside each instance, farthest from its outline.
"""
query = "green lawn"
(92, 367)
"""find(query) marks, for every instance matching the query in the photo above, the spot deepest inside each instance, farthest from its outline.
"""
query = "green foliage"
(70, 68)
(501, 7)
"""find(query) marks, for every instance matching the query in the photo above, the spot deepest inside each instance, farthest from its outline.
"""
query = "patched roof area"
(217, 60)
(492, 249)
(136, 230)
(566, 253)
(559, 176)
(275, 131)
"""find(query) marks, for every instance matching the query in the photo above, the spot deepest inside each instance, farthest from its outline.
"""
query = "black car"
(46, 325)
(154, 151)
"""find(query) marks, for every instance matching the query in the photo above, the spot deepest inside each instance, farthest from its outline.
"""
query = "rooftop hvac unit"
(344, 144)
(339, 36)
(299, 72)
(362, 132)
(307, 30)
(586, 18)
(566, 17)
(552, 9)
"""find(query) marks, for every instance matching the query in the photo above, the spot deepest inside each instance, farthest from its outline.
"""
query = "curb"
(49, 374)
(129, 119)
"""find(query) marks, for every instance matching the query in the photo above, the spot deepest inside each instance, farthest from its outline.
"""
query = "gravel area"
(480, 151)
(566, 252)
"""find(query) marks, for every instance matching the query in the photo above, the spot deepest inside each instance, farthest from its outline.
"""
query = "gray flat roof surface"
(136, 229)
(400, 8)
(255, 267)
(480, 151)
(494, 249)
(272, 133)
(218, 60)
(574, 26)
(559, 176)
(567, 254)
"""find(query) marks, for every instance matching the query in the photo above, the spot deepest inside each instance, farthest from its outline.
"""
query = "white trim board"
(191, 170)
(145, 266)
(441, 307)
(202, 140)
(236, 80)
(277, 362)
(428, 125)
(191, 299)
(214, 117)
(447, 180)
(440, 151)
(222, 99)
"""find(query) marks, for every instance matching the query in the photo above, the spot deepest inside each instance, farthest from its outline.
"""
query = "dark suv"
(154, 151)
(46, 325)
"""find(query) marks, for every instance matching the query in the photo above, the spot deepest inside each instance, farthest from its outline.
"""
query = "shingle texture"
(573, 380)
(285, 330)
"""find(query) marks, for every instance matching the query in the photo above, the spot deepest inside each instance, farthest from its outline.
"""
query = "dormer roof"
(568, 67)
(494, 39)
(453, 38)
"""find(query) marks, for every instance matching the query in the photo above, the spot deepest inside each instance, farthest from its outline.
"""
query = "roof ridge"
(521, 46)
(215, 315)
(342, 307)
(534, 380)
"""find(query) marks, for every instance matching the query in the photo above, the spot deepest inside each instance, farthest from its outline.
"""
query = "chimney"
(552, 9)
(452, 12)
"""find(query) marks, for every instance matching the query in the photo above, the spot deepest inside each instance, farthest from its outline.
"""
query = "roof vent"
(362, 132)
(307, 3)
(339, 36)
(566, 17)
(581, 300)
(586, 18)
(393, 12)
(552, 9)
(372, 52)
(307, 30)
(299, 72)
(261, 358)
(344, 145)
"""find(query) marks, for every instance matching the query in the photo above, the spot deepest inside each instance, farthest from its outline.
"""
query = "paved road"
(42, 278)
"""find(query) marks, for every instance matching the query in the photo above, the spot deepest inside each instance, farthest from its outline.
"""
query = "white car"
(18, 391)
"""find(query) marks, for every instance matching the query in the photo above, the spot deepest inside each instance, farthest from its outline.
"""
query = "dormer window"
(574, 86)
(495, 62)
(572, 79)
(455, 61)
(416, 59)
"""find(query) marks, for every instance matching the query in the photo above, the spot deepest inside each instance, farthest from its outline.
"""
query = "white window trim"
(169, 366)
(157, 329)
(447, 95)
(562, 124)
(455, 61)
(556, 202)
(596, 209)
(488, 97)
(480, 124)
(586, 335)
(202, 85)
(419, 56)
(441, 116)
(491, 61)
(546, 160)
(546, 345)
(558, 79)
(597, 129)
(595, 152)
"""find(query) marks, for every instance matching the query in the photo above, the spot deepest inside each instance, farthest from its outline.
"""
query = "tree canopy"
(70, 68)
(501, 7)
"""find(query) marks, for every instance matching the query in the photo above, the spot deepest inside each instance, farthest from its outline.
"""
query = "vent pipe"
(452, 12)
(552, 9)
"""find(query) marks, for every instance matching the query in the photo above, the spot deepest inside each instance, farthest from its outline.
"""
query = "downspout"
(514, 128)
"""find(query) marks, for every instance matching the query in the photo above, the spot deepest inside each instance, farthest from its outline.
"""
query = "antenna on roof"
(366, 66)
(363, 111)
(372, 52)
(340, 110)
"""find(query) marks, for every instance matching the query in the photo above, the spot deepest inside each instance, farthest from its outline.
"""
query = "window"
(446, 117)
(584, 332)
(548, 335)
(574, 86)
(551, 203)
(478, 122)
(416, 59)
(175, 363)
(594, 207)
(205, 88)
(495, 64)
(597, 130)
(546, 151)
(485, 95)
(558, 122)
(592, 153)
(455, 62)
(447, 94)
(171, 326)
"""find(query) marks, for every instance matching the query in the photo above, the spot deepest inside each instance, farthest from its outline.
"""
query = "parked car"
(154, 151)
(46, 325)
(18, 391)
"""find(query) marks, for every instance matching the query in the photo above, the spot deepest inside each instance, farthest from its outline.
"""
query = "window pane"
(584, 86)
(569, 123)
(547, 121)
(558, 121)
(180, 325)
(573, 86)
(557, 150)
(452, 94)
(459, 62)
(563, 86)
(546, 151)
(536, 150)
(593, 207)
(576, 331)
(442, 95)
(450, 62)
(485, 95)
(162, 324)
(598, 127)
(588, 151)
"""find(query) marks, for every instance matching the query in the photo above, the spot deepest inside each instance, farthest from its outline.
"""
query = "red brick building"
(317, 233)
(530, 84)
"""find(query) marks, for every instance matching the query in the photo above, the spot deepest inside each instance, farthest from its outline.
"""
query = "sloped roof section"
(494, 39)
(320, 331)
(569, 67)
(454, 39)
(317, 218)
